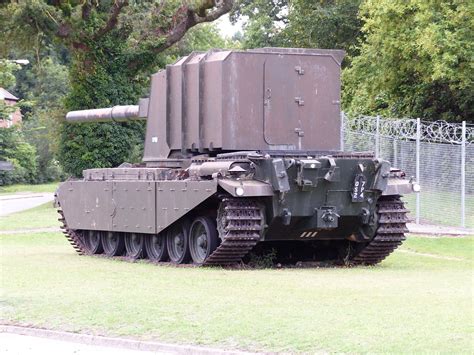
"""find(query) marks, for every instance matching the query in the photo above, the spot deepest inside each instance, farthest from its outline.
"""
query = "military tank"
(242, 156)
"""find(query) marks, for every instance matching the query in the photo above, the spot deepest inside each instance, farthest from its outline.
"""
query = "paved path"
(19, 202)
(28, 341)
(438, 230)
(15, 344)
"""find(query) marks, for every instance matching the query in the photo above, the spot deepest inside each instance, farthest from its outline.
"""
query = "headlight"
(416, 187)
(239, 191)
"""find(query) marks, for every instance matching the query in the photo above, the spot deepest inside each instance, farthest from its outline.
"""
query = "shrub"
(15, 149)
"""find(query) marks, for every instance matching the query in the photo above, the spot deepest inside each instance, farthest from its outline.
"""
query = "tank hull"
(307, 199)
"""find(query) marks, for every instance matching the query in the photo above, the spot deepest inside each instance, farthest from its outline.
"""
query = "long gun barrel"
(116, 113)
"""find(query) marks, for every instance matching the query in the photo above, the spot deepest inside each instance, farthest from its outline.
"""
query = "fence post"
(395, 153)
(343, 130)
(463, 175)
(377, 137)
(418, 138)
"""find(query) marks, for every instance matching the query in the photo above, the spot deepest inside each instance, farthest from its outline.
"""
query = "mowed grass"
(10, 189)
(44, 216)
(410, 303)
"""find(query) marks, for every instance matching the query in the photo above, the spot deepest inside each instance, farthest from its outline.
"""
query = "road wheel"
(203, 239)
(113, 243)
(92, 242)
(177, 242)
(135, 245)
(155, 246)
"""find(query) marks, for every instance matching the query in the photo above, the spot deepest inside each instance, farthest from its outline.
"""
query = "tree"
(113, 47)
(300, 23)
(416, 60)
(15, 149)
(330, 24)
(45, 85)
(264, 21)
(7, 80)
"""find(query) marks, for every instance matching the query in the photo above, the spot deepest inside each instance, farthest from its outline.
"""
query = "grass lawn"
(43, 216)
(10, 189)
(418, 300)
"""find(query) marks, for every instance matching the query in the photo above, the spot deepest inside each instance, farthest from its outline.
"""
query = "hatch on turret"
(301, 101)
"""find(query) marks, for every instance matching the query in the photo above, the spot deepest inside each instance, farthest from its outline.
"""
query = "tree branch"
(86, 9)
(225, 7)
(191, 19)
(64, 30)
(113, 18)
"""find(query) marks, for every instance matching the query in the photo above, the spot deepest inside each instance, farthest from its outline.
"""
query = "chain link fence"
(440, 155)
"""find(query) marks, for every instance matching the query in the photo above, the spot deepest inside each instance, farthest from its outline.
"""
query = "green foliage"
(300, 23)
(113, 47)
(44, 85)
(7, 80)
(100, 78)
(15, 149)
(264, 261)
(7, 76)
(416, 60)
(264, 21)
(323, 24)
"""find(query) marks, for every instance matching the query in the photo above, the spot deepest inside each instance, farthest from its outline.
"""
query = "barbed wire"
(433, 132)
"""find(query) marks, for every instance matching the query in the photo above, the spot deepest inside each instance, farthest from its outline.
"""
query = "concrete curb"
(430, 229)
(33, 230)
(20, 197)
(116, 342)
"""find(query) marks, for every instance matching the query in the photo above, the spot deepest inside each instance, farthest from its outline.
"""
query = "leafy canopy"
(299, 23)
(113, 45)
(416, 59)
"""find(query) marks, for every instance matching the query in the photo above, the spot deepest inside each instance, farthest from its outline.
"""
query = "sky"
(226, 29)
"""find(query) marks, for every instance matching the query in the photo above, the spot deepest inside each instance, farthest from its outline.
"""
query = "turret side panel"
(213, 80)
(175, 79)
(156, 141)
(192, 97)
(242, 97)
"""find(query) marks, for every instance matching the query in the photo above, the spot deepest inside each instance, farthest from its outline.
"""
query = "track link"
(240, 223)
(73, 238)
(390, 234)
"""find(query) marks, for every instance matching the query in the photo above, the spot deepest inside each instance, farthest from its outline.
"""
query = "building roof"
(4, 94)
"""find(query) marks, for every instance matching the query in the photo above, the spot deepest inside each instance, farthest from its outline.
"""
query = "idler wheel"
(135, 245)
(203, 239)
(177, 243)
(92, 242)
(155, 246)
(113, 243)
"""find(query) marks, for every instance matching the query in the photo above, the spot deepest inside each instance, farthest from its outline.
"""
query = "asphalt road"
(19, 202)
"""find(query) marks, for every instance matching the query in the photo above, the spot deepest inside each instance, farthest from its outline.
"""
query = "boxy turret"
(263, 99)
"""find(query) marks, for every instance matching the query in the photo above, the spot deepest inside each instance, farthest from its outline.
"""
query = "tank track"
(73, 238)
(390, 233)
(240, 223)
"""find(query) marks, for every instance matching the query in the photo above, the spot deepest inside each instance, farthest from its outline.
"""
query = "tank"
(242, 159)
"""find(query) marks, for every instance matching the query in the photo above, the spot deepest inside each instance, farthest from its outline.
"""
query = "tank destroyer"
(242, 155)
